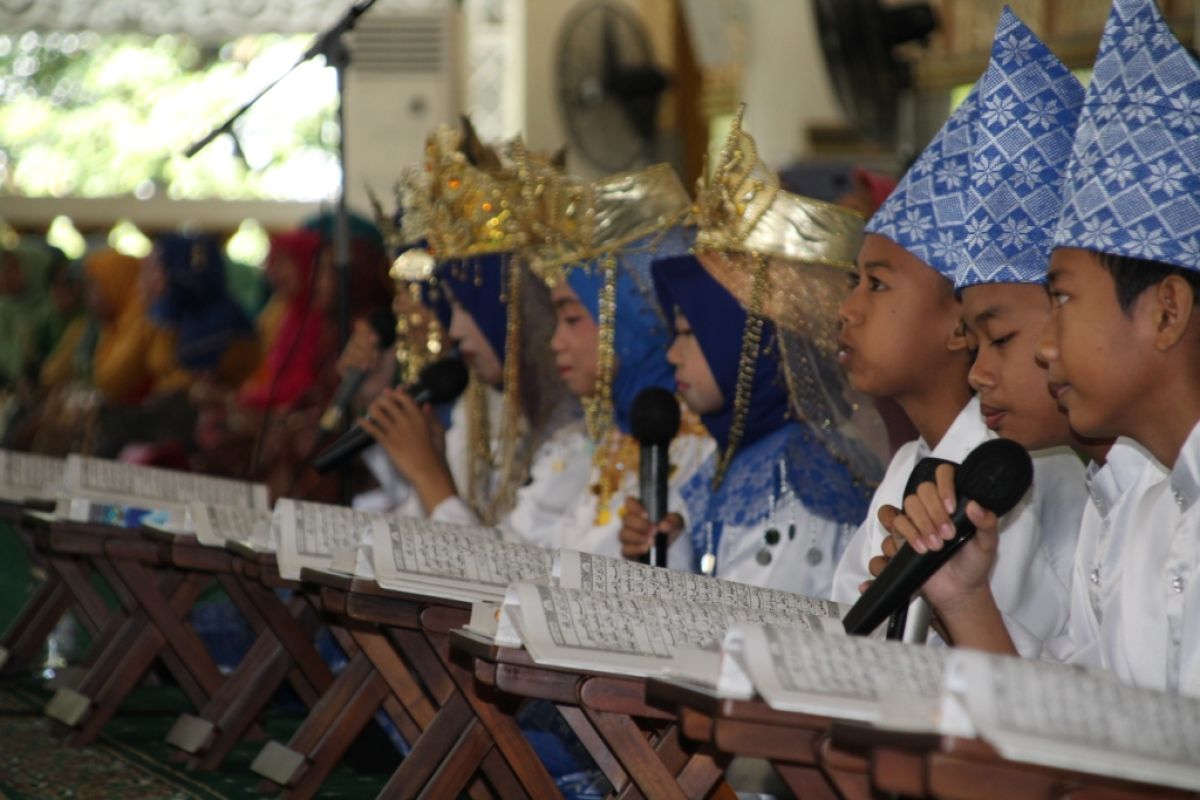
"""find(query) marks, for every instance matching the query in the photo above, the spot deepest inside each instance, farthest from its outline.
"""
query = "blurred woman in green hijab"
(24, 306)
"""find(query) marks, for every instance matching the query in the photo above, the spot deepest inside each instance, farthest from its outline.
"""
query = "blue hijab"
(641, 336)
(195, 302)
(718, 321)
(776, 454)
(480, 284)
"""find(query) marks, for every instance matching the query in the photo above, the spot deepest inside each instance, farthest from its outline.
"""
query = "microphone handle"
(339, 406)
(348, 445)
(355, 440)
(652, 473)
(904, 577)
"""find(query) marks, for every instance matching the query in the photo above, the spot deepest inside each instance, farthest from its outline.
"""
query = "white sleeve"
(454, 510)
(558, 478)
(852, 568)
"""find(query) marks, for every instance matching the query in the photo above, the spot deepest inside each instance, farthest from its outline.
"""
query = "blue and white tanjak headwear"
(927, 212)
(1029, 106)
(1133, 185)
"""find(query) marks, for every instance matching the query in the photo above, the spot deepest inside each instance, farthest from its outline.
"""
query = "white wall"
(785, 84)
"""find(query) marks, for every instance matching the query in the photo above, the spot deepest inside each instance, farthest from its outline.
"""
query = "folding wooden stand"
(637, 746)
(283, 650)
(796, 745)
(25, 638)
(154, 599)
(459, 741)
(965, 769)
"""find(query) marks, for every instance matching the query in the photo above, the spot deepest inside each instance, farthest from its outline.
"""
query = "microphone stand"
(331, 45)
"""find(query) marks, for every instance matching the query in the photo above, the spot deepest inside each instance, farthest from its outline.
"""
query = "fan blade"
(612, 58)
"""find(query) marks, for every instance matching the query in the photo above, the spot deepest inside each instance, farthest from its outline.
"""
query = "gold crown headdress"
(590, 223)
(787, 259)
(468, 203)
(582, 221)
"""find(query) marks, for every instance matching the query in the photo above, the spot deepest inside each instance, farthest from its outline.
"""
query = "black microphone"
(440, 382)
(996, 475)
(924, 472)
(383, 322)
(654, 421)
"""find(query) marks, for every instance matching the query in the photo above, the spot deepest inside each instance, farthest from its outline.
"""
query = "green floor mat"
(131, 760)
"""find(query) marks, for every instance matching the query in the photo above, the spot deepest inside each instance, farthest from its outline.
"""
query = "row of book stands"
(664, 677)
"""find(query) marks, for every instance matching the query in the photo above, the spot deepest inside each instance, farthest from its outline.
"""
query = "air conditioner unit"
(402, 82)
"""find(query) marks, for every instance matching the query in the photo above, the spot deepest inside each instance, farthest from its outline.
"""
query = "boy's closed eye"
(998, 342)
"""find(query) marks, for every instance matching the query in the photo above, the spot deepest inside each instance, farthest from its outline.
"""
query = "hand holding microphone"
(371, 337)
(654, 422)
(440, 382)
(941, 521)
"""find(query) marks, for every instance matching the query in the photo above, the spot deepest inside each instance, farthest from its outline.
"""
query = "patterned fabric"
(1133, 185)
(1029, 106)
(822, 483)
(927, 213)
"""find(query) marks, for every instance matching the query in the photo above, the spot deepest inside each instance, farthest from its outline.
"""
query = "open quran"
(28, 476)
(129, 495)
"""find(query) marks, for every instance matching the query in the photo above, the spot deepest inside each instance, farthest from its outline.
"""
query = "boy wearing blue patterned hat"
(1123, 349)
(906, 304)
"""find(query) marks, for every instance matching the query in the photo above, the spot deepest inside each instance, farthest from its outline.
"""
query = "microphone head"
(654, 418)
(441, 382)
(924, 472)
(996, 475)
(383, 322)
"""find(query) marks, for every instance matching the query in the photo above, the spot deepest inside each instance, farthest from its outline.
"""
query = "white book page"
(25, 476)
(310, 533)
(215, 525)
(1073, 719)
(846, 677)
(153, 487)
(455, 562)
(626, 633)
(593, 573)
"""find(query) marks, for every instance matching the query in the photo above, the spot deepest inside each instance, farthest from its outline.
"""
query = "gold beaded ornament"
(585, 225)
(477, 206)
(788, 259)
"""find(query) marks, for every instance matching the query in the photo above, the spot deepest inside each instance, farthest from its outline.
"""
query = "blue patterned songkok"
(927, 212)
(1028, 108)
(1133, 185)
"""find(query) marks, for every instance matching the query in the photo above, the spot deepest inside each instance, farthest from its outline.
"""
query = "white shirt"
(1149, 619)
(395, 493)
(578, 529)
(1109, 485)
(558, 478)
(803, 563)
(1032, 576)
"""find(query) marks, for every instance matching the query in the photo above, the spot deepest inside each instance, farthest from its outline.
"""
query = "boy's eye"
(1000, 341)
(1058, 298)
(877, 285)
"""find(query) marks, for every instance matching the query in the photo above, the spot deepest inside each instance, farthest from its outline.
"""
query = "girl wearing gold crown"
(515, 451)
(775, 503)
(611, 340)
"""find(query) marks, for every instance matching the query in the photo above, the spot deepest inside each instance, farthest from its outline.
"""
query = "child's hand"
(637, 534)
(926, 524)
(405, 432)
(362, 351)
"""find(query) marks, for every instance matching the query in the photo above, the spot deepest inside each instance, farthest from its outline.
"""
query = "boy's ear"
(957, 340)
(1172, 308)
